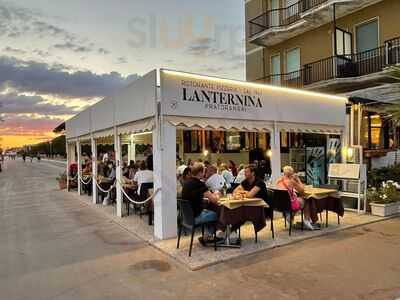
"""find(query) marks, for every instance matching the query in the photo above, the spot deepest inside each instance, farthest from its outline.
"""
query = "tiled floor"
(202, 257)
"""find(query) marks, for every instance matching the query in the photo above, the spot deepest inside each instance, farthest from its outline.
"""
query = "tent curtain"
(220, 124)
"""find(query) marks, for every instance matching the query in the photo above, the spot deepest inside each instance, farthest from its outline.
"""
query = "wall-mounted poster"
(333, 153)
(315, 165)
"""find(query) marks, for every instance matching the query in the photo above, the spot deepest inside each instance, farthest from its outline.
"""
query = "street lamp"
(50, 149)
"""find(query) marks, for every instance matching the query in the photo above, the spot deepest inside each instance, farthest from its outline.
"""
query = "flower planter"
(384, 210)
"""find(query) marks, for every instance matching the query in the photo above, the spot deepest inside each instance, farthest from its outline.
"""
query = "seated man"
(251, 186)
(215, 182)
(194, 190)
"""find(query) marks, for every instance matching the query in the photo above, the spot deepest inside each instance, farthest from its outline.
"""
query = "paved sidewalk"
(53, 246)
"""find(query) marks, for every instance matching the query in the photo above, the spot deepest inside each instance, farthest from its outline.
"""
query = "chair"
(144, 194)
(187, 221)
(148, 206)
(281, 202)
(333, 187)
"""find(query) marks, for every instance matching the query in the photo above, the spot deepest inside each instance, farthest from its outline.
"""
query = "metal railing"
(341, 66)
(281, 16)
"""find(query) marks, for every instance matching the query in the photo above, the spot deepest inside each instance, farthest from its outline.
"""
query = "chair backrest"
(186, 213)
(144, 190)
(281, 201)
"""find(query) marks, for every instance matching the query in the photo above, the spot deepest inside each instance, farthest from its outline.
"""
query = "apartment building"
(346, 47)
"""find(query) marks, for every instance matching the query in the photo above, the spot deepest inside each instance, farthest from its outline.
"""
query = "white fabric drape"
(220, 124)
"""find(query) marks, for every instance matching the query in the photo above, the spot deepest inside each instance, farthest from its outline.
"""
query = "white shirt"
(240, 177)
(180, 169)
(143, 176)
(215, 182)
(229, 178)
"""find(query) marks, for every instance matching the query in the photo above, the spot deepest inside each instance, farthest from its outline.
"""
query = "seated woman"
(194, 190)
(187, 173)
(128, 185)
(144, 175)
(227, 174)
(291, 182)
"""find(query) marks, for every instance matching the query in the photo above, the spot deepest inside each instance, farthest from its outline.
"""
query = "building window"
(276, 69)
(293, 63)
(367, 36)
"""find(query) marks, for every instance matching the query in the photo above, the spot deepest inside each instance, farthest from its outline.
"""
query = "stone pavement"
(53, 246)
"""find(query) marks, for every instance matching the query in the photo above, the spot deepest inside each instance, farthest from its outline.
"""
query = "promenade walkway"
(54, 246)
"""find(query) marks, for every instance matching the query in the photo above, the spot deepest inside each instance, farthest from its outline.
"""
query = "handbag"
(294, 201)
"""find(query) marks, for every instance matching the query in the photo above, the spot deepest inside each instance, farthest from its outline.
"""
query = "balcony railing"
(281, 16)
(343, 66)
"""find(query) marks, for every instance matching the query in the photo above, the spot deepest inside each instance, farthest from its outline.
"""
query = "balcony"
(341, 74)
(277, 25)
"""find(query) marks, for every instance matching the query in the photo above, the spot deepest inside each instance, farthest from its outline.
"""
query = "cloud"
(18, 22)
(74, 47)
(103, 51)
(42, 53)
(121, 60)
(208, 47)
(13, 103)
(58, 80)
(14, 50)
(17, 125)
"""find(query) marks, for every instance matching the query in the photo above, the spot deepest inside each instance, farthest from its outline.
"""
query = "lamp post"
(50, 149)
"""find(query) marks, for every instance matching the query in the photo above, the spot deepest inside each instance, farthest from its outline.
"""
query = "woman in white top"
(227, 174)
(143, 175)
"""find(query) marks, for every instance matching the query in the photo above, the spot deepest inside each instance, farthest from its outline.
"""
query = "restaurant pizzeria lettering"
(220, 97)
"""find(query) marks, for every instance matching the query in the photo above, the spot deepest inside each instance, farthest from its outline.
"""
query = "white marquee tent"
(184, 100)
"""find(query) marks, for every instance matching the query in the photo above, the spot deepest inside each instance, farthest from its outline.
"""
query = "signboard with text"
(184, 94)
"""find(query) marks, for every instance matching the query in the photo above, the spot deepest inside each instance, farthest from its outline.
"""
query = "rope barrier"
(87, 182)
(105, 191)
(134, 201)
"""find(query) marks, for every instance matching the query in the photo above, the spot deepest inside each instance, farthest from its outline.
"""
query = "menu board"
(345, 171)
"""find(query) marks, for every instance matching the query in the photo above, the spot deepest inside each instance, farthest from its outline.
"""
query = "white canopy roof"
(203, 102)
(125, 110)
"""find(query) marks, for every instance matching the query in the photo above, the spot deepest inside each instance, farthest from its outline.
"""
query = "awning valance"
(220, 124)
(103, 133)
(310, 128)
(137, 126)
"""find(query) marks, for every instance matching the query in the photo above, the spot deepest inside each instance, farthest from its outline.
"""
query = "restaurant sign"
(184, 94)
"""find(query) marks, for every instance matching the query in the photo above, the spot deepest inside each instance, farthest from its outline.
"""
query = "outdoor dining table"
(236, 212)
(320, 199)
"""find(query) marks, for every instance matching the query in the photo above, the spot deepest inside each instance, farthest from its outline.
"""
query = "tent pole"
(94, 169)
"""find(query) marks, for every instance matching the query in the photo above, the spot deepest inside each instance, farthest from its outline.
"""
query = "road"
(52, 246)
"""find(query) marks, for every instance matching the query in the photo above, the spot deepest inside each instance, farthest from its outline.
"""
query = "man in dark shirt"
(252, 186)
(194, 190)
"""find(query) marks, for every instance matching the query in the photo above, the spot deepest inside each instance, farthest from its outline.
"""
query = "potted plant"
(385, 200)
(62, 180)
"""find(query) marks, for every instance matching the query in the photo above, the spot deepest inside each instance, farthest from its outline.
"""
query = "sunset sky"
(56, 57)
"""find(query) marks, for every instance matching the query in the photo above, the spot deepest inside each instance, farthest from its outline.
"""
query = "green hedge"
(377, 176)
